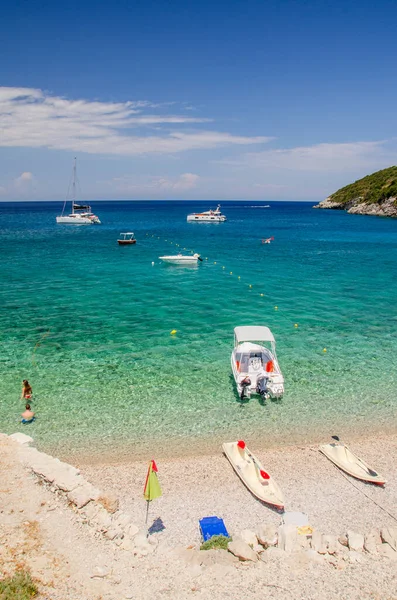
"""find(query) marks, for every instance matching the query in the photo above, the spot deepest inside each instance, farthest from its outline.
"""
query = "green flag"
(152, 489)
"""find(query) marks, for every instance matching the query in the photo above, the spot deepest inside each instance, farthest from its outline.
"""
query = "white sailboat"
(81, 214)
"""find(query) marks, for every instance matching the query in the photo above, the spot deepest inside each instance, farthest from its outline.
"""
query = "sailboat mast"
(74, 185)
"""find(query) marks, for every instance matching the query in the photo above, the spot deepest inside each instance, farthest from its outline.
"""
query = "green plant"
(371, 189)
(18, 587)
(217, 542)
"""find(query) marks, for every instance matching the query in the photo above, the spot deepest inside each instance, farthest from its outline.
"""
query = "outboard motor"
(261, 386)
(245, 383)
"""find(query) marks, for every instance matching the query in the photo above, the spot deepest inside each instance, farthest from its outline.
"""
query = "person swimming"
(27, 415)
(26, 389)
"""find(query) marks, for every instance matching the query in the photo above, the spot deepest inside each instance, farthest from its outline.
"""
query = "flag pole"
(147, 516)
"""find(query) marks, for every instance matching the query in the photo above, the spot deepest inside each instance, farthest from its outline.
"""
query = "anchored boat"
(209, 216)
(180, 259)
(127, 239)
(252, 474)
(255, 366)
(81, 214)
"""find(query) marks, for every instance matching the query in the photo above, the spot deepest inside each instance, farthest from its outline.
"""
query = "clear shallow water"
(88, 323)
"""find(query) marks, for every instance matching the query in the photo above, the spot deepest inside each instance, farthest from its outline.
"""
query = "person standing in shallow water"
(26, 390)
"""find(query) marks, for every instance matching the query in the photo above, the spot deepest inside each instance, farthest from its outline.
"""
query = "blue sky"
(197, 100)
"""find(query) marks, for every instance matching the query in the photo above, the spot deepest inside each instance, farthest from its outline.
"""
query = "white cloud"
(323, 157)
(25, 176)
(32, 118)
(184, 182)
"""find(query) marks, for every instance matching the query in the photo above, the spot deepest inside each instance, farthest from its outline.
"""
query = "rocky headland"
(374, 194)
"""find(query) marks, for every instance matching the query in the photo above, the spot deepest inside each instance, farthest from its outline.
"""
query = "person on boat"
(27, 415)
(26, 390)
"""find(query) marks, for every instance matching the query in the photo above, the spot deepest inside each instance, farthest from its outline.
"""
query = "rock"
(331, 543)
(132, 530)
(142, 545)
(342, 539)
(242, 550)
(103, 520)
(112, 533)
(372, 541)
(127, 543)
(209, 558)
(267, 535)
(355, 557)
(109, 501)
(355, 541)
(83, 494)
(123, 520)
(100, 572)
(387, 551)
(287, 538)
(389, 535)
(66, 480)
(21, 438)
(91, 510)
(249, 537)
(318, 542)
(303, 542)
(314, 556)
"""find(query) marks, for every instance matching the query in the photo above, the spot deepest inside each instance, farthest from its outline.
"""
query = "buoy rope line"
(250, 286)
(366, 495)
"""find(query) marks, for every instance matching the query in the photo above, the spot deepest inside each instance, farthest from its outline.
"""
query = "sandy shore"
(40, 531)
(196, 487)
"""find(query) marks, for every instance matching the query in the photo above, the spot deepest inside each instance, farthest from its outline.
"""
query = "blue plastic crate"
(210, 526)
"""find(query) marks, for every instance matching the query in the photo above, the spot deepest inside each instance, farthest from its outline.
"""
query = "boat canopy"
(253, 333)
(127, 233)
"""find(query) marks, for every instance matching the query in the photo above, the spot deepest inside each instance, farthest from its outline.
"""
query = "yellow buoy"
(296, 325)
(223, 267)
(214, 262)
(239, 277)
(262, 294)
(276, 308)
(250, 285)
(324, 349)
(231, 272)
(173, 332)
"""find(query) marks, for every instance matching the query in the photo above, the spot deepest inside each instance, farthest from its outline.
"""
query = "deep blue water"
(88, 323)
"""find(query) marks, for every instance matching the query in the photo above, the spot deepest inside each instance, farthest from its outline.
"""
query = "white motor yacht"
(209, 216)
(180, 259)
(81, 214)
(255, 366)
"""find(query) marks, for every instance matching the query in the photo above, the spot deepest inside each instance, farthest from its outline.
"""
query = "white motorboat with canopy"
(181, 259)
(81, 213)
(208, 216)
(254, 363)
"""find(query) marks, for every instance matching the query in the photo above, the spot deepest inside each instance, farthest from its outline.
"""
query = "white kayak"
(252, 473)
(344, 458)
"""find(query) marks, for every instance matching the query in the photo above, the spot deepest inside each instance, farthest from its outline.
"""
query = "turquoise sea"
(89, 322)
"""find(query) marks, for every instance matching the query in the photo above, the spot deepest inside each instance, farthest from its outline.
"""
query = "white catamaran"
(81, 214)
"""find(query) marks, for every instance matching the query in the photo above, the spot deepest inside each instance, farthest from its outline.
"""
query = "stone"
(372, 541)
(249, 537)
(100, 572)
(21, 438)
(287, 538)
(111, 533)
(342, 539)
(109, 501)
(355, 557)
(123, 520)
(91, 510)
(318, 543)
(242, 550)
(355, 541)
(331, 543)
(314, 556)
(132, 530)
(389, 536)
(127, 543)
(103, 520)
(83, 494)
(267, 535)
(387, 551)
(67, 480)
(274, 552)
